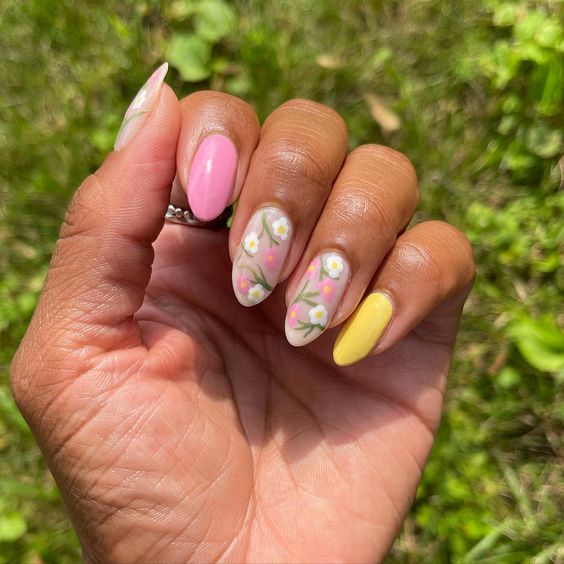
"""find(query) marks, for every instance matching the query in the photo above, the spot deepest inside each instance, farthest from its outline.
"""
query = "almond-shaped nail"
(316, 298)
(140, 108)
(212, 176)
(364, 329)
(261, 255)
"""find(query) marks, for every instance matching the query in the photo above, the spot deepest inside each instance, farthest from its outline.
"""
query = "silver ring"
(186, 217)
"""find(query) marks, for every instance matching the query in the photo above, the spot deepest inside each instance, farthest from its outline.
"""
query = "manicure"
(364, 329)
(211, 177)
(140, 108)
(261, 255)
(316, 298)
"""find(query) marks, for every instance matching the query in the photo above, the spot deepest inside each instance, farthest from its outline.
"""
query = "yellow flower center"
(318, 314)
(251, 243)
(293, 314)
(280, 229)
(327, 289)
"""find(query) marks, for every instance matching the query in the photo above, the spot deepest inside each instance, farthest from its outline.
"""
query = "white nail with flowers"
(256, 294)
(281, 228)
(139, 100)
(334, 265)
(318, 315)
(252, 243)
(317, 297)
(261, 256)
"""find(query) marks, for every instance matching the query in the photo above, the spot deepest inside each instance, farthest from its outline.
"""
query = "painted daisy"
(251, 243)
(334, 265)
(318, 315)
(281, 228)
(256, 294)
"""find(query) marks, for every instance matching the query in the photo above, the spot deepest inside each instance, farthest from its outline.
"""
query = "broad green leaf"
(214, 20)
(191, 56)
(544, 142)
(550, 34)
(541, 343)
(504, 15)
(547, 86)
(12, 527)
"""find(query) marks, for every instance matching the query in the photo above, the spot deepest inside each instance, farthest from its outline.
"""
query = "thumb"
(102, 261)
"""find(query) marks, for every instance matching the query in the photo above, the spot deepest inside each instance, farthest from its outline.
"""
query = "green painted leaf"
(214, 20)
(12, 527)
(191, 56)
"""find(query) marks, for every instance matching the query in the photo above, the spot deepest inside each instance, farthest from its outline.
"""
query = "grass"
(478, 88)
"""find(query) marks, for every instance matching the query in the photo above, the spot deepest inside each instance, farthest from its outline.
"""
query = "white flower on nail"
(334, 265)
(256, 294)
(318, 315)
(139, 100)
(280, 228)
(251, 243)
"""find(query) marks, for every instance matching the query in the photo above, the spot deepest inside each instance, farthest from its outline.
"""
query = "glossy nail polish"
(316, 299)
(212, 176)
(261, 255)
(140, 108)
(364, 329)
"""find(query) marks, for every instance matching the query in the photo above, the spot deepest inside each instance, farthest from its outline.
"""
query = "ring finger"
(372, 200)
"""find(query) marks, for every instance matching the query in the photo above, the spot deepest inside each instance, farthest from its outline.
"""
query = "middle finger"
(300, 152)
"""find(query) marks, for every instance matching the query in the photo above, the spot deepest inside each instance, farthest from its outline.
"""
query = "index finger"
(218, 135)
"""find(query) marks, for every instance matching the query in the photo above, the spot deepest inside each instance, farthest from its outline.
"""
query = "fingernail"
(140, 108)
(261, 255)
(363, 330)
(317, 297)
(211, 177)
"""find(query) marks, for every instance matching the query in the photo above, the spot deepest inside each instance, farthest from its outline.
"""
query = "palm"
(225, 440)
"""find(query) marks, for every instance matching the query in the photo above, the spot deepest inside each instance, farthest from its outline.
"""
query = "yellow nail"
(363, 330)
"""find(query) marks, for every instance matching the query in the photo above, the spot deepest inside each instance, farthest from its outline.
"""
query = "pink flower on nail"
(312, 269)
(293, 315)
(270, 258)
(327, 289)
(243, 283)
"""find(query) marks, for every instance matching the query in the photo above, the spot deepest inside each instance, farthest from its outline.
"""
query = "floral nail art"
(261, 255)
(318, 295)
(140, 107)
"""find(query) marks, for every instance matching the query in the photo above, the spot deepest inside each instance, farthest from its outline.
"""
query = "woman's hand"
(179, 424)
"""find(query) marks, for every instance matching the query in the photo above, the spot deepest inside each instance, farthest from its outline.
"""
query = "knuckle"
(357, 205)
(311, 122)
(219, 107)
(285, 158)
(459, 245)
(382, 161)
(82, 209)
(314, 109)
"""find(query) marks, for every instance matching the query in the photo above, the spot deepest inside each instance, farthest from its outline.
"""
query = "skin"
(181, 426)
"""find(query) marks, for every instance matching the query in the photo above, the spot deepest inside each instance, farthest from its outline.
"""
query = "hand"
(180, 425)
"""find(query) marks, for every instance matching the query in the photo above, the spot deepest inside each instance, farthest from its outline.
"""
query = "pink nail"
(211, 177)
